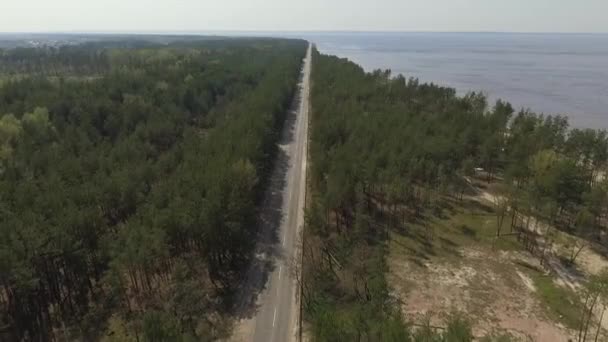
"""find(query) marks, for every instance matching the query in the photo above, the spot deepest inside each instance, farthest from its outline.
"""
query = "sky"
(303, 15)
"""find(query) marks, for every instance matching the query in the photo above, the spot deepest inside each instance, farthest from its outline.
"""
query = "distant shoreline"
(289, 32)
(554, 74)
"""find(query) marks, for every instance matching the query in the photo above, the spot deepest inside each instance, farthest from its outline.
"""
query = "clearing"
(452, 262)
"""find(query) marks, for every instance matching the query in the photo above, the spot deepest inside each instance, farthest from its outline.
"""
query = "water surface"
(550, 73)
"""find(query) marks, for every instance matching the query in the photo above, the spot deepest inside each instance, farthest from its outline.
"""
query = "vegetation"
(129, 175)
(561, 303)
(389, 154)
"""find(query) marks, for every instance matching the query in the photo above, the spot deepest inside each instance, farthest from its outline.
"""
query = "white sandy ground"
(590, 262)
(497, 301)
(502, 300)
(527, 281)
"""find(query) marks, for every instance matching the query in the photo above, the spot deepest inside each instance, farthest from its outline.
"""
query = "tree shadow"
(573, 269)
(443, 211)
(271, 215)
(599, 249)
(529, 266)
(468, 231)
(473, 205)
(414, 255)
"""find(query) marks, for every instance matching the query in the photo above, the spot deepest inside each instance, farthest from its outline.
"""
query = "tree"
(124, 160)
(501, 208)
(458, 329)
(381, 147)
(490, 152)
(10, 128)
(596, 290)
(160, 327)
(583, 226)
(596, 200)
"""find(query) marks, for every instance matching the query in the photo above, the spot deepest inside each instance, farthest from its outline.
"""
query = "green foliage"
(561, 303)
(392, 154)
(381, 146)
(159, 327)
(10, 128)
(129, 175)
(458, 329)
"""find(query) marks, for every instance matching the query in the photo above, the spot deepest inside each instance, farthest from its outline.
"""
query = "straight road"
(277, 315)
(270, 307)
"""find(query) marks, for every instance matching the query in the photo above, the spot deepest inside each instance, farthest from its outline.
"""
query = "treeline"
(127, 200)
(555, 176)
(52, 60)
(386, 151)
(97, 57)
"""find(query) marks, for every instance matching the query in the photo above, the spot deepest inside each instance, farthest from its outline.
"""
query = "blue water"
(549, 73)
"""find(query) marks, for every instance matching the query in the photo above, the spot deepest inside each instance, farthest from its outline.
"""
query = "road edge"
(302, 209)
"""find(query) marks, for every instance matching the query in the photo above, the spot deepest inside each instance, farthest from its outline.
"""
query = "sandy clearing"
(487, 286)
(590, 262)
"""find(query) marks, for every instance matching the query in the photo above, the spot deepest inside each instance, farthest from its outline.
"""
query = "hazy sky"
(280, 15)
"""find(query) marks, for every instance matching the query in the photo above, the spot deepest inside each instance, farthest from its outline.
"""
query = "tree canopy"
(387, 150)
(128, 182)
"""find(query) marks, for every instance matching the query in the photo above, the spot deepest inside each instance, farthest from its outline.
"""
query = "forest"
(390, 154)
(131, 172)
(129, 177)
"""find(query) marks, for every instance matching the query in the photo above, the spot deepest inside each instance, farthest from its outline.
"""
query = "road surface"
(271, 290)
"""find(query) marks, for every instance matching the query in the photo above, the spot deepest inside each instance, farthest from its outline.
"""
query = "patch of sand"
(486, 286)
(532, 330)
(591, 262)
(527, 281)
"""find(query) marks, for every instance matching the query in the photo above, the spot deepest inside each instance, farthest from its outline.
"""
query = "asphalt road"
(277, 313)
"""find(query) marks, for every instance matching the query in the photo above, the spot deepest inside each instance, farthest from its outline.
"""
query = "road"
(277, 315)
(271, 289)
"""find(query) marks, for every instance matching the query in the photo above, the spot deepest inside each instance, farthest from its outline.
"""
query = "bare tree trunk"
(513, 218)
(580, 329)
(589, 315)
(544, 251)
(574, 255)
(599, 324)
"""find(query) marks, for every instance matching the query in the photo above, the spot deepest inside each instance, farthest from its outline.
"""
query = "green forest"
(129, 176)
(388, 153)
(132, 171)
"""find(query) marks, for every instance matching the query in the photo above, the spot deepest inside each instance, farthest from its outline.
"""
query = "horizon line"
(291, 31)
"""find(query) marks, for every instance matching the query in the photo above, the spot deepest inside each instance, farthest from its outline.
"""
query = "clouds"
(377, 15)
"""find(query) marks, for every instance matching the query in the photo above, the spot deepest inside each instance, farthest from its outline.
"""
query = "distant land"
(13, 40)
(552, 73)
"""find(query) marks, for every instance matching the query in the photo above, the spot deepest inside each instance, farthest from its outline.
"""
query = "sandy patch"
(487, 286)
(527, 281)
(591, 262)
(532, 329)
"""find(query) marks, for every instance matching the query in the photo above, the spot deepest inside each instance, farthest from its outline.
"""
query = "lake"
(549, 73)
